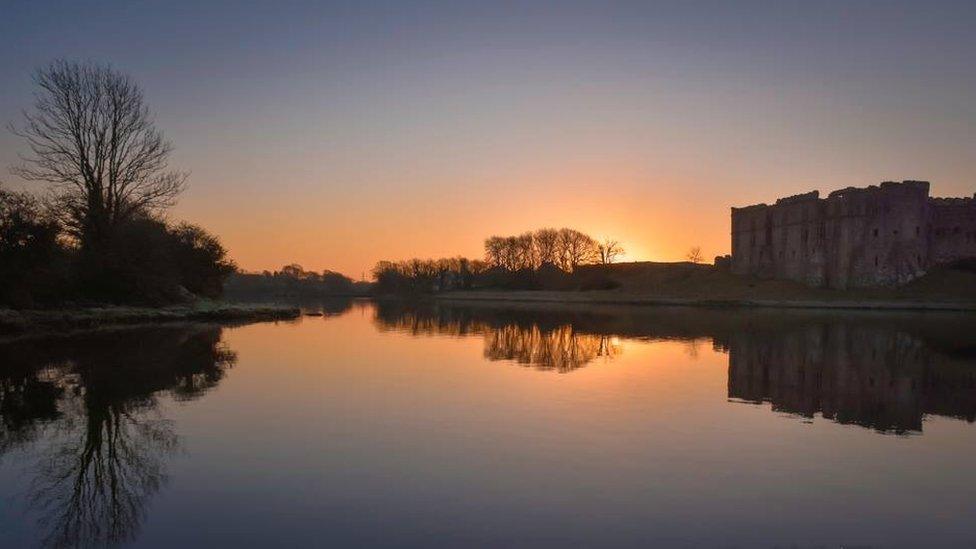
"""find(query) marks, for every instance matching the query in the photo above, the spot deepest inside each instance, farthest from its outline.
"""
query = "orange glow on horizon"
(351, 233)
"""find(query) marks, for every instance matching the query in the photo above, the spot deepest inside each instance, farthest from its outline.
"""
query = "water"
(444, 425)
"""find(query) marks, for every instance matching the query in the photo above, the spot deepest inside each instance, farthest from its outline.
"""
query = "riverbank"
(611, 297)
(694, 285)
(14, 321)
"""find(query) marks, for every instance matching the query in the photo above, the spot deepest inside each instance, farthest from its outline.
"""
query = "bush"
(201, 260)
(33, 265)
(143, 261)
(148, 262)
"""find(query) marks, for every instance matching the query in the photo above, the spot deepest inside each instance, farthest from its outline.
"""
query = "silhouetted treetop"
(100, 236)
(563, 248)
(91, 134)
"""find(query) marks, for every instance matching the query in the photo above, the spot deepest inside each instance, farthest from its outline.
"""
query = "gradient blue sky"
(338, 134)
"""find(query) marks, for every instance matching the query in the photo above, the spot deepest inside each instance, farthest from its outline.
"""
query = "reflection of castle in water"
(881, 371)
(864, 375)
(84, 411)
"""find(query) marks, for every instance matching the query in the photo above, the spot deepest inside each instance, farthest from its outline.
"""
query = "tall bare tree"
(91, 135)
(609, 251)
(695, 254)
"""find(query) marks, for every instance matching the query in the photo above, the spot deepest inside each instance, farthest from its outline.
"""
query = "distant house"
(856, 237)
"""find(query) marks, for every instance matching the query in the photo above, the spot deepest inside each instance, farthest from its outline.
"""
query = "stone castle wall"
(856, 237)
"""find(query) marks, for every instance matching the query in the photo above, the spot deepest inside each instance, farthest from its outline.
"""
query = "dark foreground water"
(396, 425)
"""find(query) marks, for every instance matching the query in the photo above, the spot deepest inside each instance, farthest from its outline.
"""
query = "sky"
(334, 135)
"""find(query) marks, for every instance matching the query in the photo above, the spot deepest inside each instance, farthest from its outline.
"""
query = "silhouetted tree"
(92, 138)
(547, 246)
(426, 275)
(91, 135)
(564, 248)
(695, 254)
(149, 262)
(292, 281)
(32, 263)
(201, 260)
(609, 251)
(576, 249)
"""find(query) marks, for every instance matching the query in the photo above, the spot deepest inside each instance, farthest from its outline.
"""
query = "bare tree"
(91, 135)
(695, 254)
(547, 246)
(609, 251)
(525, 252)
(564, 248)
(494, 246)
(576, 249)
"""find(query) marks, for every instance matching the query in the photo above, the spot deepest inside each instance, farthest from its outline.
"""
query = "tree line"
(293, 281)
(427, 275)
(546, 258)
(99, 234)
(565, 249)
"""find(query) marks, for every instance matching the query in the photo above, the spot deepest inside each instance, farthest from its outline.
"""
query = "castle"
(882, 235)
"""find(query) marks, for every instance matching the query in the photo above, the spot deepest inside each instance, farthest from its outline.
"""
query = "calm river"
(394, 425)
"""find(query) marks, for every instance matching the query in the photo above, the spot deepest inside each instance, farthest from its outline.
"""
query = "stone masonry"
(877, 236)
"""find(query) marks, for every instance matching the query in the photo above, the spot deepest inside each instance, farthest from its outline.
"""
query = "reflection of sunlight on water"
(360, 393)
(561, 349)
(873, 371)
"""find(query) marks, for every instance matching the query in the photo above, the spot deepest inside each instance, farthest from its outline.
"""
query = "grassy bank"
(12, 321)
(623, 298)
(686, 284)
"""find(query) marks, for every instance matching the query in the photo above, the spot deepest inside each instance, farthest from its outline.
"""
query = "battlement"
(941, 201)
(907, 184)
(812, 196)
(919, 187)
(750, 207)
(850, 191)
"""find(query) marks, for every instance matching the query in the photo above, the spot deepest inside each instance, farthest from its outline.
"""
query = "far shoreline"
(610, 297)
(14, 321)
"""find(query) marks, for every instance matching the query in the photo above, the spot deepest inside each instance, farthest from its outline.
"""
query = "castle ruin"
(882, 235)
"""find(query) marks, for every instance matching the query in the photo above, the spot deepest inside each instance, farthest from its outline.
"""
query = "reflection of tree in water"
(881, 371)
(560, 349)
(544, 342)
(26, 401)
(91, 404)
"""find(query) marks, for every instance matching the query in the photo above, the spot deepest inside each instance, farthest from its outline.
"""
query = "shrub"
(33, 264)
